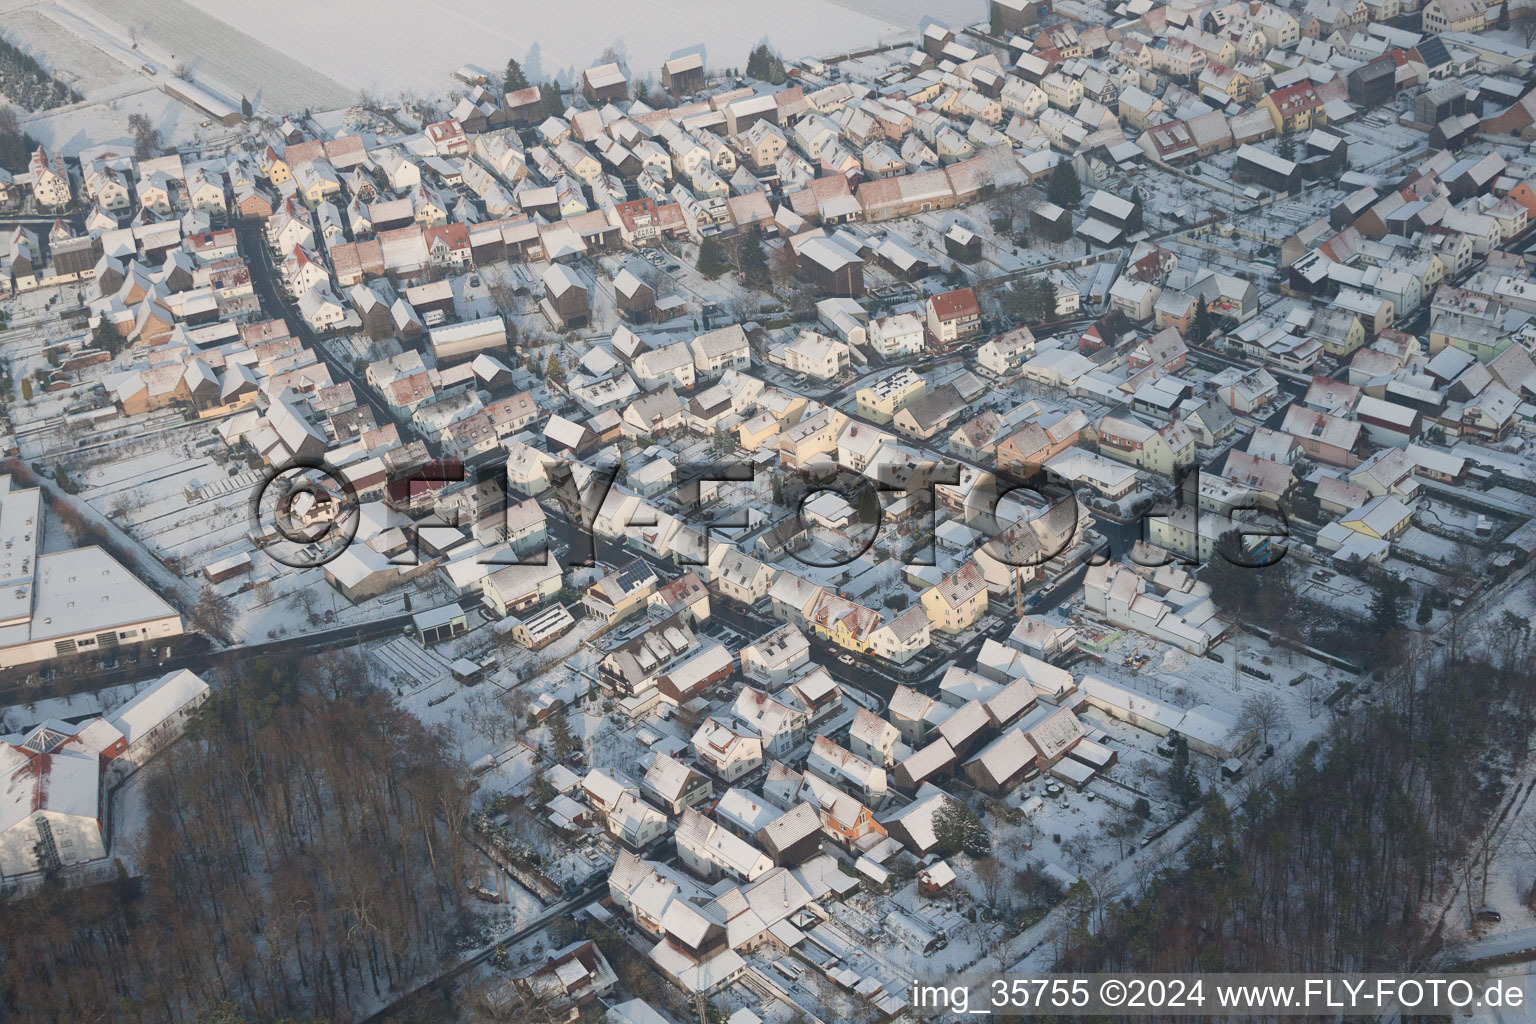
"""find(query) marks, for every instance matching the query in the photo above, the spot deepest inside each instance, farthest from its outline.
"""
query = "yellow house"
(275, 167)
(1164, 451)
(758, 432)
(845, 623)
(1384, 518)
(316, 184)
(884, 398)
(958, 600)
(814, 435)
(1296, 108)
(1340, 332)
(1430, 270)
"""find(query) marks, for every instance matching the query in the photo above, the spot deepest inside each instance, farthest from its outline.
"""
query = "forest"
(1357, 859)
(300, 860)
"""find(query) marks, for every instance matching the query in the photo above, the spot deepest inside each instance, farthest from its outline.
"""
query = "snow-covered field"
(97, 57)
(293, 55)
(226, 60)
(87, 69)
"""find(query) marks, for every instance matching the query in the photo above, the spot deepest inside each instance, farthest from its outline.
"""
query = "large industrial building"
(66, 602)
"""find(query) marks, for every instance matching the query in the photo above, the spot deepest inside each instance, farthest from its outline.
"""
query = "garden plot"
(1377, 141)
(1448, 516)
(153, 488)
(1445, 550)
(407, 663)
(242, 483)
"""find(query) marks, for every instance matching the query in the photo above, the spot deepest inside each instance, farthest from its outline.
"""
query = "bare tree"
(990, 874)
(502, 293)
(1525, 20)
(1121, 826)
(1079, 851)
(146, 137)
(1475, 863)
(305, 600)
(213, 613)
(338, 674)
(1312, 690)
(782, 266)
(1262, 712)
(742, 306)
(514, 703)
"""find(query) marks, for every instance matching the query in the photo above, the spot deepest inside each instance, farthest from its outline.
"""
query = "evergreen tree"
(554, 103)
(1502, 22)
(1200, 329)
(514, 79)
(957, 829)
(1286, 147)
(245, 108)
(1015, 301)
(1183, 783)
(995, 25)
(553, 370)
(869, 506)
(106, 337)
(765, 66)
(711, 262)
(1043, 297)
(1063, 187)
(754, 260)
(757, 62)
(561, 738)
(1387, 604)
(16, 146)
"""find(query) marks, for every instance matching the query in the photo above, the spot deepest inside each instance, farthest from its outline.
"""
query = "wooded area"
(1348, 863)
(304, 857)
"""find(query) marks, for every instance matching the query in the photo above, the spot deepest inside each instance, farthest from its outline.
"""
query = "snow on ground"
(476, 718)
(324, 54)
(130, 820)
(71, 129)
(87, 69)
(546, 38)
(234, 63)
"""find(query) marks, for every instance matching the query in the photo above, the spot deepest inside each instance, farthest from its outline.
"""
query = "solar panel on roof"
(632, 575)
(1433, 50)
